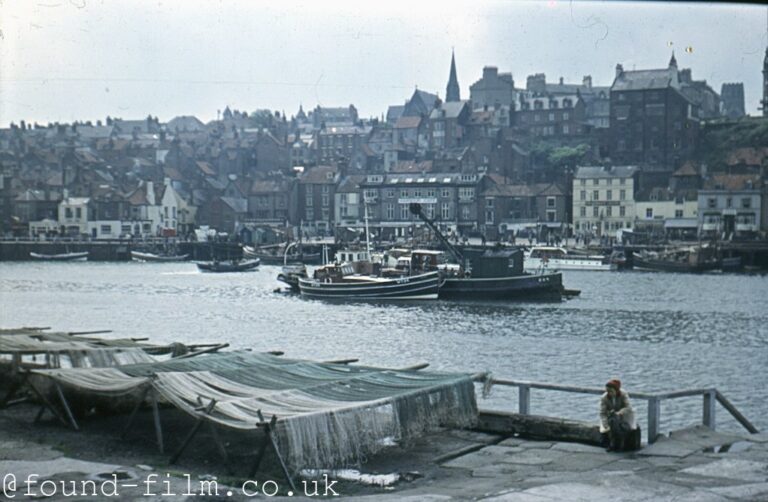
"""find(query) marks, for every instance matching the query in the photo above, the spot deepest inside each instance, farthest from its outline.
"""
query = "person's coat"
(619, 404)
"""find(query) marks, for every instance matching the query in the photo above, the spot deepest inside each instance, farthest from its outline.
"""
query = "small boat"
(79, 256)
(291, 273)
(228, 265)
(152, 257)
(272, 256)
(557, 258)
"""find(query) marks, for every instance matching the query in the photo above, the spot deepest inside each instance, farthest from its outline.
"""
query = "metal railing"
(710, 396)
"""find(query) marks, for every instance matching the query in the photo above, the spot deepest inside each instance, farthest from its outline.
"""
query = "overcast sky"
(65, 60)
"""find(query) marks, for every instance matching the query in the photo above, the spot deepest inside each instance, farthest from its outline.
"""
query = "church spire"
(672, 60)
(452, 90)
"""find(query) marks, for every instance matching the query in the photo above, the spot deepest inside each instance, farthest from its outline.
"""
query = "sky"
(66, 60)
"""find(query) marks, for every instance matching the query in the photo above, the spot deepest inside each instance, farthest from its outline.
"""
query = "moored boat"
(152, 257)
(557, 258)
(79, 256)
(684, 262)
(228, 266)
(343, 282)
(493, 275)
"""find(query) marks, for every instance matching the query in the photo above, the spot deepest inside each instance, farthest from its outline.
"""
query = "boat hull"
(547, 287)
(151, 257)
(671, 266)
(418, 287)
(535, 264)
(228, 267)
(60, 257)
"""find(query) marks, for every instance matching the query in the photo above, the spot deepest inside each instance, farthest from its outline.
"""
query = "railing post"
(709, 408)
(654, 415)
(524, 399)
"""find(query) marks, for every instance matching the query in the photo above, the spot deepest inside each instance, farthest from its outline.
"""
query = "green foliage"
(568, 156)
(719, 138)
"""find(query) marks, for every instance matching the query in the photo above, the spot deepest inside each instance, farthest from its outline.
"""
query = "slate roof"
(645, 80)
(686, 169)
(187, 123)
(452, 110)
(600, 172)
(733, 182)
(320, 175)
(237, 204)
(407, 122)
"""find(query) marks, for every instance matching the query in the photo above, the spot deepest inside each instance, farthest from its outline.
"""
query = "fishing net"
(329, 415)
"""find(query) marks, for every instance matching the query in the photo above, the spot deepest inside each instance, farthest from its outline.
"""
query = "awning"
(681, 223)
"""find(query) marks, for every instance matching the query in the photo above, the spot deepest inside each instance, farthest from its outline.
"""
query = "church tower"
(452, 90)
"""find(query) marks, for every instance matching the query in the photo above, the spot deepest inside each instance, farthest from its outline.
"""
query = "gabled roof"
(605, 172)
(187, 123)
(394, 112)
(509, 191)
(173, 173)
(411, 166)
(550, 189)
(350, 184)
(237, 204)
(206, 168)
(645, 79)
(449, 110)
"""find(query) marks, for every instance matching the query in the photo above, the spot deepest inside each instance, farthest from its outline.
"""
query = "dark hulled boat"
(692, 260)
(491, 275)
(228, 266)
(77, 256)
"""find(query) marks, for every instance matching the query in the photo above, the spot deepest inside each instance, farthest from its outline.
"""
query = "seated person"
(617, 418)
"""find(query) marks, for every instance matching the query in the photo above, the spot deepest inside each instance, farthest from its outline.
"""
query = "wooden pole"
(47, 404)
(654, 417)
(268, 428)
(158, 427)
(220, 447)
(192, 433)
(736, 413)
(65, 404)
(203, 351)
(708, 417)
(135, 411)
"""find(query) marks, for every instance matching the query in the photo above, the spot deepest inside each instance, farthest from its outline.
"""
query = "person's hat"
(615, 383)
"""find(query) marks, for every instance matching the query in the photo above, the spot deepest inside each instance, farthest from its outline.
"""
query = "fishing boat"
(686, 260)
(228, 265)
(274, 256)
(78, 256)
(557, 258)
(495, 274)
(347, 281)
(152, 257)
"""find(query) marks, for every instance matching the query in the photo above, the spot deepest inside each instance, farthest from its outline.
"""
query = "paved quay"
(695, 464)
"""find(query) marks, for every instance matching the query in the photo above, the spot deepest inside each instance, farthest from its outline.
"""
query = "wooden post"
(47, 404)
(709, 408)
(66, 406)
(158, 428)
(268, 428)
(192, 433)
(524, 398)
(135, 411)
(654, 417)
(220, 447)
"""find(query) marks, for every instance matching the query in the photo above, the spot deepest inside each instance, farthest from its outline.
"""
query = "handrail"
(710, 397)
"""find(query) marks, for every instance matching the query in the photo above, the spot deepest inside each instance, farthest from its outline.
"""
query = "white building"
(74, 215)
(604, 199)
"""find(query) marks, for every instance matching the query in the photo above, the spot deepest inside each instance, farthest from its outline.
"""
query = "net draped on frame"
(329, 415)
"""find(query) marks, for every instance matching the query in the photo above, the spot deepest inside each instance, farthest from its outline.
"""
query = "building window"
(78, 212)
(678, 213)
(325, 200)
(566, 130)
(106, 229)
(488, 202)
(390, 193)
(729, 202)
(551, 117)
(596, 181)
(390, 211)
(622, 195)
(649, 212)
(609, 211)
(583, 182)
(68, 212)
(445, 193)
(595, 194)
(403, 211)
(583, 195)
(609, 195)
(445, 211)
(489, 217)
(550, 202)
(746, 202)
(711, 202)
(310, 202)
(594, 211)
(622, 211)
(465, 213)
(431, 193)
(583, 211)
(310, 214)
(466, 192)
(325, 188)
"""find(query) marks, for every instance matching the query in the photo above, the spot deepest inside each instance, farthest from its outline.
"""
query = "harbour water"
(654, 331)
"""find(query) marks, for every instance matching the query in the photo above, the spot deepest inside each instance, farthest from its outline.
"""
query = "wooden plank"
(65, 404)
(538, 427)
(215, 348)
(524, 400)
(158, 427)
(708, 414)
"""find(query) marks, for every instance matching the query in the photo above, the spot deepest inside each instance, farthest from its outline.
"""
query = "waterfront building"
(730, 206)
(74, 215)
(348, 204)
(662, 214)
(316, 194)
(604, 199)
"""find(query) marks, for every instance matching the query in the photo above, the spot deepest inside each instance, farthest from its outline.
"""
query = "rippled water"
(656, 332)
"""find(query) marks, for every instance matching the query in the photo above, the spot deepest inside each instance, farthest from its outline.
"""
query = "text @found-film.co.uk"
(155, 485)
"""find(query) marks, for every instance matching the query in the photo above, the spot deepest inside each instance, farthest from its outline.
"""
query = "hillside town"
(655, 153)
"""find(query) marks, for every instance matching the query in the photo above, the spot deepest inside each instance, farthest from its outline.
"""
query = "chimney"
(619, 70)
(587, 81)
(490, 72)
(150, 187)
(561, 80)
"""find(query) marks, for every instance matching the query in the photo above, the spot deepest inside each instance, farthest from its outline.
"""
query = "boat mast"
(367, 235)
